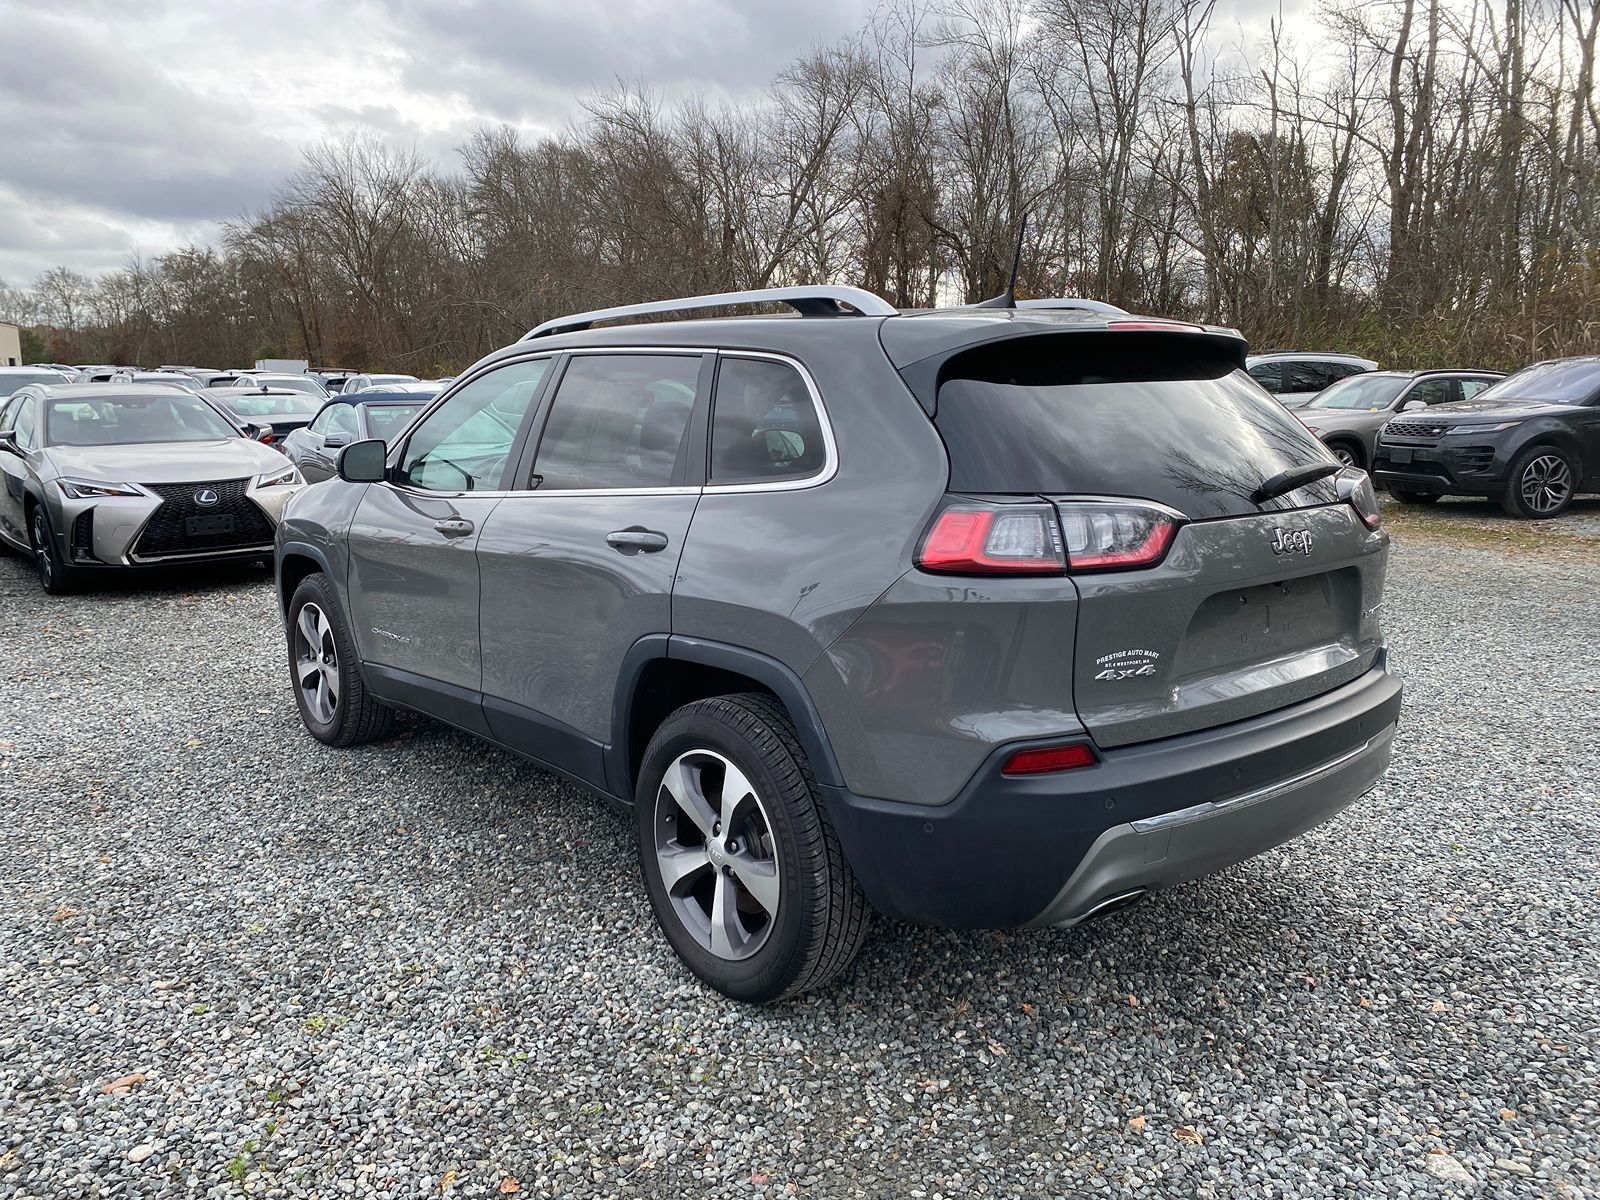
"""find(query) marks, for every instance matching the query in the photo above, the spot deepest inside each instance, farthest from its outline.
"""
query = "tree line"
(1414, 179)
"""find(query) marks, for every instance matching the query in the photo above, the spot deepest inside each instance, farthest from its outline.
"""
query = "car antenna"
(1008, 298)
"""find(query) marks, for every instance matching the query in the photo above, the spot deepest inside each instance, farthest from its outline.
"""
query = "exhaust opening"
(1103, 908)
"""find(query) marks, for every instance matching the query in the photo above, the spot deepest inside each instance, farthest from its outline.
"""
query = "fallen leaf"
(63, 914)
(1439, 1006)
(1133, 1001)
(1188, 1135)
(1136, 1123)
(1508, 1114)
(122, 1084)
(446, 1182)
(996, 1049)
(508, 1185)
(759, 1178)
(1028, 1010)
(193, 742)
(1364, 1002)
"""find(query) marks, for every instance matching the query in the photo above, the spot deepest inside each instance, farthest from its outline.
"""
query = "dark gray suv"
(979, 617)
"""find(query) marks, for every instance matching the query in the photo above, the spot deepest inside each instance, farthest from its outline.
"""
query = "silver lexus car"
(101, 476)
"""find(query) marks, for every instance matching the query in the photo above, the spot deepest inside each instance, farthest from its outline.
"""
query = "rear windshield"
(273, 404)
(1558, 382)
(1130, 414)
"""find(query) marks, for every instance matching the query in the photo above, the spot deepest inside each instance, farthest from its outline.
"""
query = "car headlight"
(287, 477)
(1495, 428)
(88, 489)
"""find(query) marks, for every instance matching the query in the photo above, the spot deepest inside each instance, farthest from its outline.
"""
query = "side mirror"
(363, 462)
(8, 442)
(1414, 406)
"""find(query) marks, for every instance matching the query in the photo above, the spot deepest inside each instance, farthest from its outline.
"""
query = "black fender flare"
(771, 674)
(303, 550)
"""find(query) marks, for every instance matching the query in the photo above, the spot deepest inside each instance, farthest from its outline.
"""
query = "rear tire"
(1540, 484)
(325, 673)
(1406, 496)
(55, 576)
(767, 907)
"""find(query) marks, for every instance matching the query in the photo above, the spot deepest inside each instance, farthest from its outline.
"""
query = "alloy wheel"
(715, 851)
(41, 549)
(1343, 454)
(1546, 483)
(316, 663)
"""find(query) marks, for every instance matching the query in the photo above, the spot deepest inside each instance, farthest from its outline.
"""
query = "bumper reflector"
(1043, 759)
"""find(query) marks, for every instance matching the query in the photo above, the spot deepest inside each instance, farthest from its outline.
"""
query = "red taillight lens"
(1103, 536)
(1356, 488)
(1050, 758)
(1012, 539)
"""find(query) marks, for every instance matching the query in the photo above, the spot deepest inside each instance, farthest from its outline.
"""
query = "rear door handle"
(453, 529)
(636, 540)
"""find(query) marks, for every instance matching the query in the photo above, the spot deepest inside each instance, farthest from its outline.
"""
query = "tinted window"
(1269, 375)
(618, 421)
(1306, 377)
(1564, 381)
(387, 420)
(465, 442)
(10, 381)
(764, 424)
(1138, 415)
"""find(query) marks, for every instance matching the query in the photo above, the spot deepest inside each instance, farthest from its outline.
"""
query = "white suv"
(1294, 378)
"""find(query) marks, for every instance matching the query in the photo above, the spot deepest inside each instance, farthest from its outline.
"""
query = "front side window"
(618, 421)
(342, 423)
(1431, 391)
(1306, 377)
(388, 421)
(27, 423)
(464, 444)
(764, 424)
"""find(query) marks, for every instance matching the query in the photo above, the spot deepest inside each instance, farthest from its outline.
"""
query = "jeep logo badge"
(1291, 541)
(206, 497)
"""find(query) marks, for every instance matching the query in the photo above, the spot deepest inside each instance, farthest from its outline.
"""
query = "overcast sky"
(132, 126)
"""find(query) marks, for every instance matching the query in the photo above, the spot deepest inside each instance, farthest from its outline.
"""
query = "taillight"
(1103, 535)
(1355, 487)
(1043, 759)
(1153, 325)
(1008, 539)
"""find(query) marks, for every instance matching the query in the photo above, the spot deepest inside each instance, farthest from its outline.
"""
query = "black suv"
(985, 617)
(1532, 441)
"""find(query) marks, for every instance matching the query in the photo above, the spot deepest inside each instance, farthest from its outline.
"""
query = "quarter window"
(764, 424)
(463, 444)
(618, 421)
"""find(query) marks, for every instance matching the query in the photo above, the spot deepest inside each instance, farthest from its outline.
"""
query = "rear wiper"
(1294, 477)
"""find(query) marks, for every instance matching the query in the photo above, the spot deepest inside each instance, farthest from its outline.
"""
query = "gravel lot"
(425, 968)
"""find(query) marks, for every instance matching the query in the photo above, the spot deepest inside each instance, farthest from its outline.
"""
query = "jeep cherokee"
(978, 617)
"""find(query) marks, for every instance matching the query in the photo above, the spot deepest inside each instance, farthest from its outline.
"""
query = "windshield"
(10, 381)
(1361, 393)
(386, 420)
(274, 404)
(1142, 416)
(130, 420)
(1564, 381)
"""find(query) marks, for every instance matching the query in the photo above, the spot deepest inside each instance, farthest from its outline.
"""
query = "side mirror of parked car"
(363, 462)
(8, 441)
(1414, 406)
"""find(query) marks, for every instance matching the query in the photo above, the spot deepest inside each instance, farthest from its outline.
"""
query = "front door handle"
(636, 540)
(453, 529)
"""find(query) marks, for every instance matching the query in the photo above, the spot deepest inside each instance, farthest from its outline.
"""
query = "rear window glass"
(1138, 415)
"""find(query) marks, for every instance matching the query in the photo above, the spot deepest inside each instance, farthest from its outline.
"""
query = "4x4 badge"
(1291, 541)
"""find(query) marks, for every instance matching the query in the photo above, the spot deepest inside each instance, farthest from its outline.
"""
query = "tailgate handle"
(454, 528)
(636, 539)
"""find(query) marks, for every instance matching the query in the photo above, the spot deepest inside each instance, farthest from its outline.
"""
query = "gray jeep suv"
(979, 617)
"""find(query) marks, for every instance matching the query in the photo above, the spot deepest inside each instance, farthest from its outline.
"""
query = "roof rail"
(820, 301)
(1098, 306)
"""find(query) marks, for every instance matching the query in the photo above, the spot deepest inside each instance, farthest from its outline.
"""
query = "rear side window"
(1269, 375)
(618, 421)
(1142, 415)
(764, 424)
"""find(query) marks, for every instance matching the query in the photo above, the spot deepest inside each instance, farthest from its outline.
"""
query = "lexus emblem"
(1291, 541)
(206, 497)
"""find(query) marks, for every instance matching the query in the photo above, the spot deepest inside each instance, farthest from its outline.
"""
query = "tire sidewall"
(769, 969)
(1519, 468)
(314, 589)
(48, 564)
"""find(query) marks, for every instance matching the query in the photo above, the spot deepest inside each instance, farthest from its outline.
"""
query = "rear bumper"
(1052, 850)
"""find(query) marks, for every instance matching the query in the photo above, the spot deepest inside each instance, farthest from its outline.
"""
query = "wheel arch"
(661, 673)
(295, 561)
(1352, 443)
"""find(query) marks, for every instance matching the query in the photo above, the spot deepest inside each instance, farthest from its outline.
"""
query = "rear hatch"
(1241, 603)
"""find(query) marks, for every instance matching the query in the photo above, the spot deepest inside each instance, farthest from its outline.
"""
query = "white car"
(1294, 377)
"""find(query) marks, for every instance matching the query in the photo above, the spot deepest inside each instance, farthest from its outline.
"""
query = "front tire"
(1541, 483)
(325, 672)
(1348, 453)
(55, 576)
(741, 863)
